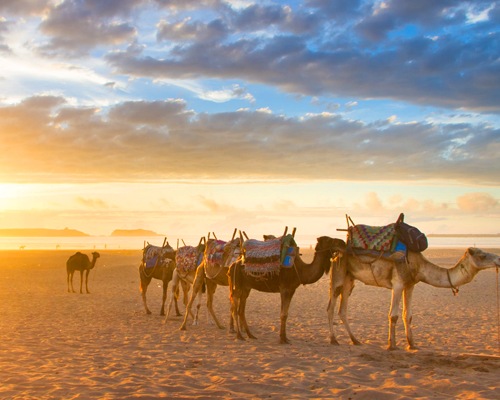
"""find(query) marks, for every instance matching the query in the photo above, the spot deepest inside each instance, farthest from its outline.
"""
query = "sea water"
(137, 243)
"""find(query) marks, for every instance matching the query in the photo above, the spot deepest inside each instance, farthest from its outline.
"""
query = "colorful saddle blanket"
(187, 258)
(377, 238)
(214, 252)
(262, 258)
(151, 254)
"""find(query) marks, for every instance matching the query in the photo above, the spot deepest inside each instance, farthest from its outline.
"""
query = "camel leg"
(241, 312)
(344, 302)
(234, 297)
(81, 282)
(407, 316)
(231, 322)
(87, 280)
(72, 288)
(286, 298)
(235, 306)
(397, 292)
(175, 284)
(164, 297)
(185, 291)
(211, 286)
(144, 289)
(334, 294)
(197, 284)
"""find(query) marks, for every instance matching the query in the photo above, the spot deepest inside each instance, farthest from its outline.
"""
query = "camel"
(285, 283)
(185, 279)
(80, 262)
(163, 271)
(385, 273)
(213, 274)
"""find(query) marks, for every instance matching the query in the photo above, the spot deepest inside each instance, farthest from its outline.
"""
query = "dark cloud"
(191, 31)
(77, 26)
(387, 16)
(162, 140)
(23, 7)
(445, 71)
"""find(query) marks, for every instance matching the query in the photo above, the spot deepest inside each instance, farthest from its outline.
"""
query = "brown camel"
(213, 274)
(285, 283)
(80, 262)
(385, 273)
(163, 271)
(185, 278)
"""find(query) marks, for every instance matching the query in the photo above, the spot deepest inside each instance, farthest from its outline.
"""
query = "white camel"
(384, 273)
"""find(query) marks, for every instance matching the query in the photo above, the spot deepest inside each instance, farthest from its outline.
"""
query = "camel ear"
(474, 251)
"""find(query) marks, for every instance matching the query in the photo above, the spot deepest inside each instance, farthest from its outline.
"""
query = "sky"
(184, 116)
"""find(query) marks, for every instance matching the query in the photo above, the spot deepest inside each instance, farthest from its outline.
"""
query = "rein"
(453, 288)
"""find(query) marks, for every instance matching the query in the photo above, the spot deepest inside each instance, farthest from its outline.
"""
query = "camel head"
(269, 237)
(479, 259)
(327, 243)
(95, 255)
(329, 246)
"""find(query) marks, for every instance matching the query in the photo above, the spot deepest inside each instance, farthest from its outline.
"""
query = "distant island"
(41, 232)
(134, 232)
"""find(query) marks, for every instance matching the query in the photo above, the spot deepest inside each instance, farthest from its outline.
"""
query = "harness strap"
(453, 288)
(370, 263)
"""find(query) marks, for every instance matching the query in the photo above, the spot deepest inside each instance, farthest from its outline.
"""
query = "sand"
(57, 345)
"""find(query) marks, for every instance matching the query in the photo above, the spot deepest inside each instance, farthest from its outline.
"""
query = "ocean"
(137, 243)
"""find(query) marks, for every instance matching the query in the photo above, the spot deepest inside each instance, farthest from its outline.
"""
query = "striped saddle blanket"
(151, 254)
(188, 258)
(262, 258)
(377, 238)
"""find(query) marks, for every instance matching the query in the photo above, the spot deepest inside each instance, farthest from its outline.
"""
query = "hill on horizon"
(134, 232)
(41, 232)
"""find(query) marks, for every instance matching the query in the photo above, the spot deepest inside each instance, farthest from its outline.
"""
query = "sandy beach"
(57, 345)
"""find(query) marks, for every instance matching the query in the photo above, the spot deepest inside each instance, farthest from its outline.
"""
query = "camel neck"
(310, 273)
(463, 272)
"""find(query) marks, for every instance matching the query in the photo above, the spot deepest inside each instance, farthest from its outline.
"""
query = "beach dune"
(60, 345)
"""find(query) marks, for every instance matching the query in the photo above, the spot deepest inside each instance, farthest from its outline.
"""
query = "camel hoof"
(148, 312)
(286, 341)
(162, 313)
(391, 348)
(413, 347)
(232, 330)
(239, 337)
(178, 314)
(356, 342)
(334, 342)
(183, 328)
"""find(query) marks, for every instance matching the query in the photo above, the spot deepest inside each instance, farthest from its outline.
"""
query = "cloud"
(478, 202)
(24, 7)
(447, 72)
(76, 27)
(92, 203)
(215, 206)
(164, 140)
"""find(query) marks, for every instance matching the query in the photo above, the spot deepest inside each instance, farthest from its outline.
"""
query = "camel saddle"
(374, 238)
(188, 258)
(214, 252)
(267, 257)
(151, 253)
